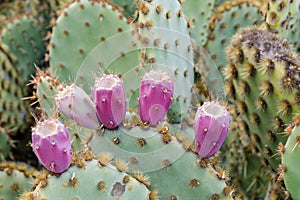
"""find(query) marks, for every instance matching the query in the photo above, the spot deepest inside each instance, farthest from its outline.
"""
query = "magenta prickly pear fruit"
(74, 103)
(211, 127)
(51, 144)
(156, 92)
(110, 100)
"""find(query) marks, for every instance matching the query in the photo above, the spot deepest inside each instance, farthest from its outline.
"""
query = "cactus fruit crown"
(214, 110)
(156, 76)
(45, 128)
(107, 83)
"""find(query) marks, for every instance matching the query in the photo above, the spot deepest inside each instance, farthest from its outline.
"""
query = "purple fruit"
(156, 92)
(74, 103)
(110, 100)
(51, 144)
(210, 127)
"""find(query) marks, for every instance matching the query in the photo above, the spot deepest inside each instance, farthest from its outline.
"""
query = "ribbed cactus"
(262, 79)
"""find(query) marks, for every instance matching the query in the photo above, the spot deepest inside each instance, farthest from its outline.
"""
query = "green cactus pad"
(157, 152)
(290, 162)
(15, 178)
(186, 179)
(145, 145)
(78, 30)
(24, 37)
(198, 13)
(91, 181)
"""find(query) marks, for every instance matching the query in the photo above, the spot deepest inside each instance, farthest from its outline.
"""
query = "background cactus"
(290, 152)
(24, 37)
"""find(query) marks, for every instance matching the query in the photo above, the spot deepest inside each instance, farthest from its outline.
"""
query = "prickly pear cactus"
(156, 94)
(47, 87)
(210, 127)
(290, 152)
(85, 115)
(15, 179)
(24, 37)
(88, 179)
